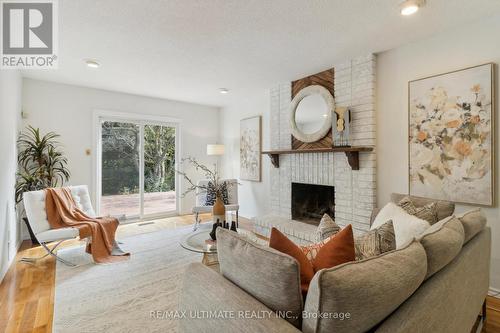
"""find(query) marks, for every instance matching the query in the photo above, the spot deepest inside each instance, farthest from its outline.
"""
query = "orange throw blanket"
(62, 212)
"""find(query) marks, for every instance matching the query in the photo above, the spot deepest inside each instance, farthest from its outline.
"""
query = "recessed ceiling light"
(223, 90)
(92, 63)
(325, 115)
(410, 7)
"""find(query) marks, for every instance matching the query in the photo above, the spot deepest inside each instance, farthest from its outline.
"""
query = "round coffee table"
(200, 241)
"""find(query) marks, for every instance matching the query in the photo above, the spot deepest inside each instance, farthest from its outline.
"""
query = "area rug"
(121, 297)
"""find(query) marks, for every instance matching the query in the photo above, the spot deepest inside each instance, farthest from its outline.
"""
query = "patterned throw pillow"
(375, 242)
(211, 195)
(312, 250)
(428, 212)
(326, 228)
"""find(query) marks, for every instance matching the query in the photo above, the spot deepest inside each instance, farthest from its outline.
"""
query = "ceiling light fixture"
(92, 63)
(223, 90)
(410, 7)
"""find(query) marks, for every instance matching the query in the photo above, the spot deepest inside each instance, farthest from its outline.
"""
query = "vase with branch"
(214, 184)
(41, 164)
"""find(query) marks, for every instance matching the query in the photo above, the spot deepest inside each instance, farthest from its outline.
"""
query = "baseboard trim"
(493, 292)
(5, 269)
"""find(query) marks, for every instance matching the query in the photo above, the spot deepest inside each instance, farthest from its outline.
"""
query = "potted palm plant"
(41, 164)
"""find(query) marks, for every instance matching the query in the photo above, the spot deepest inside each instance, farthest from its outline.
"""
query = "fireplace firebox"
(310, 202)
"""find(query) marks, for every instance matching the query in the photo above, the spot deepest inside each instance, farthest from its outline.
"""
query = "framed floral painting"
(451, 136)
(250, 148)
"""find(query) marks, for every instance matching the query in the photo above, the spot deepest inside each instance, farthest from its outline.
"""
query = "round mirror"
(311, 113)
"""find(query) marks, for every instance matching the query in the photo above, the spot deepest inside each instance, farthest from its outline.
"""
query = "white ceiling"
(187, 49)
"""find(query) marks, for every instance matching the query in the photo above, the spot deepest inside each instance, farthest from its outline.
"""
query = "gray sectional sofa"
(436, 283)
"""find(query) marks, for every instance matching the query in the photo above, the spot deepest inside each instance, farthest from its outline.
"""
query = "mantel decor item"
(250, 149)
(341, 127)
(451, 136)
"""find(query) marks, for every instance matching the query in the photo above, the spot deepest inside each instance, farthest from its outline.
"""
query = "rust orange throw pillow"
(280, 242)
(337, 250)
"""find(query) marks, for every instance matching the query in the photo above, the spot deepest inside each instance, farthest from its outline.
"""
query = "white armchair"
(201, 196)
(34, 204)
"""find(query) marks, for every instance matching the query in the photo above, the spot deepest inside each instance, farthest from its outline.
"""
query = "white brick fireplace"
(355, 191)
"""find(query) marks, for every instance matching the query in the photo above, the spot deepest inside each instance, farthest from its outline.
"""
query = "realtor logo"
(29, 34)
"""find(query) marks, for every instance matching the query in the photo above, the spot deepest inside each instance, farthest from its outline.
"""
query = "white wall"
(253, 196)
(10, 111)
(67, 110)
(466, 46)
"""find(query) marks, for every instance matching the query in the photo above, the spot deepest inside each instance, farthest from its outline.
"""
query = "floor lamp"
(215, 150)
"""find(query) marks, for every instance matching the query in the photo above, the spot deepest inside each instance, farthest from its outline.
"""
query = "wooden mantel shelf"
(352, 154)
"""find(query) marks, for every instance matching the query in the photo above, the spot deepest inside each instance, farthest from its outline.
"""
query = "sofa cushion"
(406, 226)
(375, 242)
(473, 222)
(368, 290)
(276, 284)
(204, 291)
(444, 208)
(442, 242)
(427, 212)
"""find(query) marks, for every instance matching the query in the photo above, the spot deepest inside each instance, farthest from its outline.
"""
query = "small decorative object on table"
(213, 233)
(340, 128)
(233, 226)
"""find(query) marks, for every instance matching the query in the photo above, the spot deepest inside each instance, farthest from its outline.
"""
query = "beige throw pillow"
(427, 212)
(375, 242)
(327, 228)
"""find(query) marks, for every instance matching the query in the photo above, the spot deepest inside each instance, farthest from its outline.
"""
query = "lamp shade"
(215, 149)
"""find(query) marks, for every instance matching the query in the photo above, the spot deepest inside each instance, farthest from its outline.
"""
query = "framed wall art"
(250, 149)
(451, 136)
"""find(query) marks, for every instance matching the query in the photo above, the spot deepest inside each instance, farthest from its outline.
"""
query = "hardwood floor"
(492, 315)
(27, 291)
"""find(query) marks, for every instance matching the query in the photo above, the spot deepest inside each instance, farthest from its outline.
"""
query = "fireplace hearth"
(310, 202)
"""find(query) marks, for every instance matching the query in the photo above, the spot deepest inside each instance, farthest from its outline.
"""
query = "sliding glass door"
(120, 169)
(137, 169)
(159, 169)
